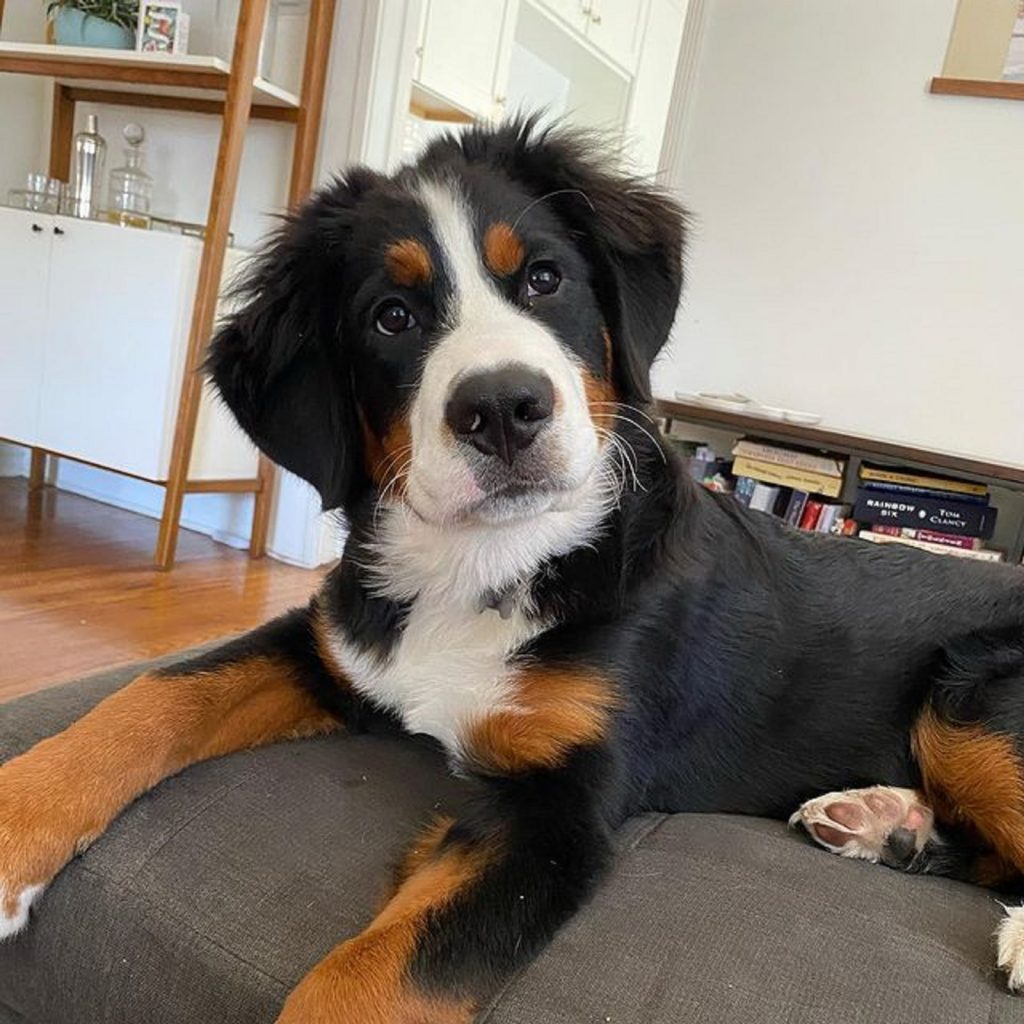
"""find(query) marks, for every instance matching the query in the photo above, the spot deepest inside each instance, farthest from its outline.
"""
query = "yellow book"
(931, 483)
(788, 476)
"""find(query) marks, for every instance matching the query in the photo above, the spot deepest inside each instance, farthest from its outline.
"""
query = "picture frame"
(163, 27)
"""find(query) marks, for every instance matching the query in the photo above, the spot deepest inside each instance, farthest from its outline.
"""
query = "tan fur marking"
(556, 711)
(61, 794)
(366, 979)
(408, 263)
(387, 458)
(600, 391)
(974, 778)
(503, 249)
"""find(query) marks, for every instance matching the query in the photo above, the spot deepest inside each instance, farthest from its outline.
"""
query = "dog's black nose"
(501, 411)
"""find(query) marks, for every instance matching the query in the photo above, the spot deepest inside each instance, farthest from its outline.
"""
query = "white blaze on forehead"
(452, 222)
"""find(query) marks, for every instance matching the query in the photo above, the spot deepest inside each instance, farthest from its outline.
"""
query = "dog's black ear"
(631, 232)
(278, 360)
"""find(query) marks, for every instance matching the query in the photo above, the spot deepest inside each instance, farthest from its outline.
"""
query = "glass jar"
(131, 188)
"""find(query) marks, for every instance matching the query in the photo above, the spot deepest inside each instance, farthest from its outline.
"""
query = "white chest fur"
(448, 669)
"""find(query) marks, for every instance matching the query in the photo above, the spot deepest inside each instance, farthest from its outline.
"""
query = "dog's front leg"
(480, 896)
(61, 794)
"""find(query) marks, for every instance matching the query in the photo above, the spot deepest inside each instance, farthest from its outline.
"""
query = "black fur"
(755, 666)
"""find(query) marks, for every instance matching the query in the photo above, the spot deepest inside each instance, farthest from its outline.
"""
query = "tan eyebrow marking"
(503, 249)
(408, 263)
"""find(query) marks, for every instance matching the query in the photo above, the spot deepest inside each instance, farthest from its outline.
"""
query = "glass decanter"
(131, 188)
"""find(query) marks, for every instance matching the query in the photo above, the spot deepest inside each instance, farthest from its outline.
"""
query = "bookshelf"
(857, 448)
(204, 85)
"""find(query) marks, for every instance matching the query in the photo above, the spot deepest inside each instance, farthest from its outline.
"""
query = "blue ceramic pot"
(73, 27)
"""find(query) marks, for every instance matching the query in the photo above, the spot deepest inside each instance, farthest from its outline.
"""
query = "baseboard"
(136, 500)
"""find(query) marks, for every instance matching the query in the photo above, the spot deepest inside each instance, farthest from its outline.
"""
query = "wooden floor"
(78, 592)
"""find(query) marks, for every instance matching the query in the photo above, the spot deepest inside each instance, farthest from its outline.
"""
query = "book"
(949, 539)
(929, 536)
(829, 514)
(812, 510)
(787, 476)
(764, 497)
(924, 492)
(943, 515)
(910, 478)
(795, 509)
(826, 465)
(744, 489)
(980, 555)
(782, 502)
(832, 518)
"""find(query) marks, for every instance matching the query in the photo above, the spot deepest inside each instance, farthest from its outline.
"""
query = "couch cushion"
(211, 896)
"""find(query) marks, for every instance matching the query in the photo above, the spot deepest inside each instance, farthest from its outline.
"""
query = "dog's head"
(455, 334)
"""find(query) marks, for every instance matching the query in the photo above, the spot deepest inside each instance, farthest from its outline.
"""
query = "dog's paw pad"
(14, 908)
(1010, 946)
(881, 823)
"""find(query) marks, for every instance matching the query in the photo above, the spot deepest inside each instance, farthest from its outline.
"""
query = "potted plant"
(105, 23)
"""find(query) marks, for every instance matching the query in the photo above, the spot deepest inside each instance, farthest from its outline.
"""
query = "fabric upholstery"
(212, 895)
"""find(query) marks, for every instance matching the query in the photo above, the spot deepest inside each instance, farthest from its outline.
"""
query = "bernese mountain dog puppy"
(457, 358)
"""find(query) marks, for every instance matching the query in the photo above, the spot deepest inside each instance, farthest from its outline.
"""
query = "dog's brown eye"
(542, 279)
(395, 318)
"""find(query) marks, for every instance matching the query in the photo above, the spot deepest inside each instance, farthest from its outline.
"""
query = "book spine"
(784, 476)
(925, 492)
(809, 520)
(763, 498)
(981, 555)
(744, 490)
(956, 517)
(892, 531)
(788, 457)
(795, 510)
(949, 539)
(938, 483)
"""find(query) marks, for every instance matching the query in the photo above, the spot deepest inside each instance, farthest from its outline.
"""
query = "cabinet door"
(464, 49)
(616, 29)
(575, 13)
(24, 262)
(117, 321)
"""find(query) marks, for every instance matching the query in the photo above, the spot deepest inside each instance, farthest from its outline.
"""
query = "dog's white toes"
(1010, 947)
(14, 908)
(1010, 944)
(880, 823)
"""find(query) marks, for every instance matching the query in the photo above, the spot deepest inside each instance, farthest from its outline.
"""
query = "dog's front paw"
(1010, 943)
(37, 838)
(366, 980)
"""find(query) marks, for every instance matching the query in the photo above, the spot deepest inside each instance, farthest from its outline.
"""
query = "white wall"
(858, 244)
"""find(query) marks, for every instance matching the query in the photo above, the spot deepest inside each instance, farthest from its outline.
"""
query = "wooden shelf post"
(237, 103)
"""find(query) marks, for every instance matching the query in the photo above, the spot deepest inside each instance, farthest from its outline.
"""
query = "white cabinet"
(93, 345)
(24, 267)
(575, 13)
(616, 29)
(465, 53)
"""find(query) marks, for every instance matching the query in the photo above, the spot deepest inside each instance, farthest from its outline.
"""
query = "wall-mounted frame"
(982, 56)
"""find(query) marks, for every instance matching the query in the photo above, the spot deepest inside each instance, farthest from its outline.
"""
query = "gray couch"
(210, 898)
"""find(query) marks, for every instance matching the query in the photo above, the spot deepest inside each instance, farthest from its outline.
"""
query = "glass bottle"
(87, 172)
(131, 188)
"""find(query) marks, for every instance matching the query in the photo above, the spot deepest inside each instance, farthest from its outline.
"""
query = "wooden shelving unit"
(204, 85)
(857, 447)
(978, 87)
